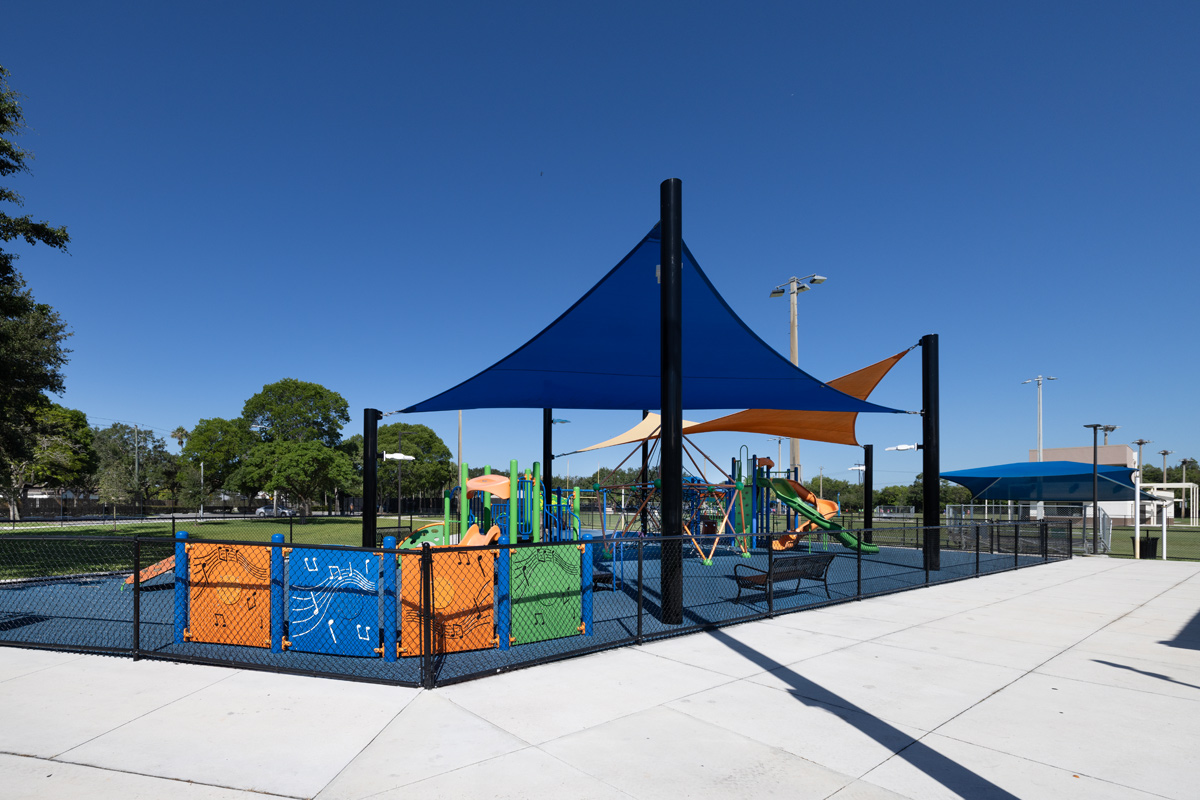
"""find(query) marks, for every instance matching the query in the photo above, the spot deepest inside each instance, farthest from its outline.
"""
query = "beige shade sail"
(836, 427)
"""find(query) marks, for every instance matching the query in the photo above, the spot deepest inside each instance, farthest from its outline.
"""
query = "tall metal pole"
(371, 419)
(1095, 487)
(671, 387)
(1039, 419)
(868, 492)
(1137, 502)
(932, 452)
(794, 444)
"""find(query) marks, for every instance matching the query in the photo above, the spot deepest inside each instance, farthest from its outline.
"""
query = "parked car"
(268, 511)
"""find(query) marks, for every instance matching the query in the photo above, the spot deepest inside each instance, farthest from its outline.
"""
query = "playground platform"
(1079, 678)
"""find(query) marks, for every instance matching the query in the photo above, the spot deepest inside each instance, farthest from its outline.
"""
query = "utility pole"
(1137, 503)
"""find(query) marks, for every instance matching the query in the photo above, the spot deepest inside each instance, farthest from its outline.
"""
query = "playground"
(256, 605)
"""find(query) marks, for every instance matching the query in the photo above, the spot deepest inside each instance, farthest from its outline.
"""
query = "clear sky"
(386, 198)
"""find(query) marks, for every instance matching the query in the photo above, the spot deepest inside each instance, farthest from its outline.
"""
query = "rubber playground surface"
(94, 611)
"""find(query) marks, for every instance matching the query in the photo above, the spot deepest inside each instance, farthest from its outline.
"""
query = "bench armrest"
(748, 568)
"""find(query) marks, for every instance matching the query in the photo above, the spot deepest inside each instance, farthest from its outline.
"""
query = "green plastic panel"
(546, 600)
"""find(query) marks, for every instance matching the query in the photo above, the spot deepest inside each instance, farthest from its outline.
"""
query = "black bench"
(813, 567)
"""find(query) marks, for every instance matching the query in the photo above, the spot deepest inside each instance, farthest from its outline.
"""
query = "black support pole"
(931, 447)
(868, 493)
(548, 448)
(671, 434)
(371, 419)
(1096, 493)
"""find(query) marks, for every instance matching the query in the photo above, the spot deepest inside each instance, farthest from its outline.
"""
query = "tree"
(180, 435)
(32, 354)
(61, 455)
(221, 445)
(432, 469)
(13, 159)
(296, 411)
(132, 464)
(301, 470)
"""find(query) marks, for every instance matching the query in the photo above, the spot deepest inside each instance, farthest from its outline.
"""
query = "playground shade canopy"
(814, 426)
(604, 353)
(1053, 481)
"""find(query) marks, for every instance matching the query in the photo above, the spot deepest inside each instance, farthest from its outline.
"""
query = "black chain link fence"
(441, 615)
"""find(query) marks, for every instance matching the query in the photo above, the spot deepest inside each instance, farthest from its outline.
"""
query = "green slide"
(785, 490)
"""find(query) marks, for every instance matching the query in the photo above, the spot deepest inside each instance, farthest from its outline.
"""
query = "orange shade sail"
(836, 427)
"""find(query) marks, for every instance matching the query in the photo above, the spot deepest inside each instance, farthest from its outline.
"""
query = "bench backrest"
(812, 566)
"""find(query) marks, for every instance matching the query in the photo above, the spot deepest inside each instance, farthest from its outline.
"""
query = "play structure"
(813, 514)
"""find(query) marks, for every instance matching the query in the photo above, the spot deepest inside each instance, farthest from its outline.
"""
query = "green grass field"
(1183, 542)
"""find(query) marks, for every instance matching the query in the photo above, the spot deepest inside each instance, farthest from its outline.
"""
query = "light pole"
(1137, 502)
(547, 453)
(1164, 454)
(1107, 430)
(399, 458)
(793, 287)
(1096, 428)
(859, 468)
(1039, 380)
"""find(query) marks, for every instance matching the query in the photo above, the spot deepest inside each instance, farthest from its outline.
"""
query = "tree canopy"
(32, 335)
(297, 411)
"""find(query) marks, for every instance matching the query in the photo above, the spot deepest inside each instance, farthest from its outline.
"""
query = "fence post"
(588, 595)
(426, 616)
(1070, 535)
(1045, 537)
(920, 539)
(137, 597)
(770, 575)
(291, 538)
(858, 564)
(181, 586)
(387, 564)
(277, 593)
(641, 541)
(1016, 545)
(504, 583)
(977, 534)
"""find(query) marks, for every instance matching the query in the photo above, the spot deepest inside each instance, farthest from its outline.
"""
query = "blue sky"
(386, 198)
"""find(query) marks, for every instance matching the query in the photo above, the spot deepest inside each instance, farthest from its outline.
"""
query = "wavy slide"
(798, 498)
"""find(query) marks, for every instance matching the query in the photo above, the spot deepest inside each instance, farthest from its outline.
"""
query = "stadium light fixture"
(1039, 380)
(792, 288)
(904, 447)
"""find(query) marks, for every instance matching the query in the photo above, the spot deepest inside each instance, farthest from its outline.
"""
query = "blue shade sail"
(1053, 481)
(604, 353)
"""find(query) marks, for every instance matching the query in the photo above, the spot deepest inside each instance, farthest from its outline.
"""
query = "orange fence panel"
(230, 595)
(463, 607)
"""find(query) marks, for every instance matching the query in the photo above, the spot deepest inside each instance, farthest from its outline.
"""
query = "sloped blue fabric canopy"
(1052, 481)
(603, 353)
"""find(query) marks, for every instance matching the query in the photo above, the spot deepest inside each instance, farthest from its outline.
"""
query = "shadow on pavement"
(1167, 678)
(945, 771)
(1188, 636)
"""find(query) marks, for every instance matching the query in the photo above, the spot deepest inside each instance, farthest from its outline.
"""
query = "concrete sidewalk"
(1075, 679)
